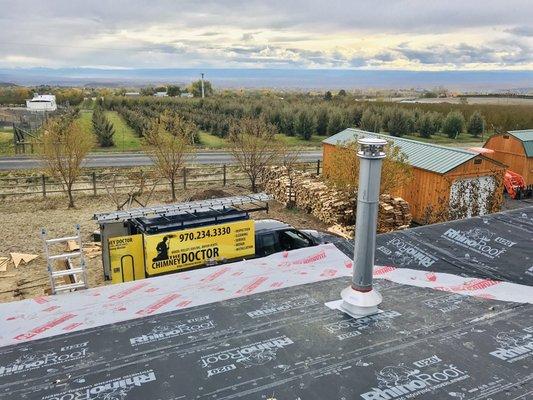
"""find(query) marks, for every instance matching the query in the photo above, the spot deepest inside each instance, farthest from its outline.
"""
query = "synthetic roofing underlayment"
(259, 329)
(431, 157)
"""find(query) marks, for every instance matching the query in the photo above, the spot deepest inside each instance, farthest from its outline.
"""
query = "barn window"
(506, 136)
(477, 161)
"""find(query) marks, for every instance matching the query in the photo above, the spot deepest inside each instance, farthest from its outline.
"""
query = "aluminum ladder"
(72, 271)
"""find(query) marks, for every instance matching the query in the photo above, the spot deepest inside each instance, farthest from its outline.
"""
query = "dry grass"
(22, 219)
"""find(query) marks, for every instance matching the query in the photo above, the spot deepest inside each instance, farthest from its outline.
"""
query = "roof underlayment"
(260, 329)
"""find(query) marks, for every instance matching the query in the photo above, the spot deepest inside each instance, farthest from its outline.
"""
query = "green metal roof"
(431, 157)
(526, 137)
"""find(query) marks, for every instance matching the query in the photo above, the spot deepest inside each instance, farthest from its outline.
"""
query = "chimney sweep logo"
(400, 381)
(514, 346)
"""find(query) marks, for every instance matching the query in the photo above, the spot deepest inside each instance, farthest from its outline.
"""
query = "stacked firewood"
(328, 204)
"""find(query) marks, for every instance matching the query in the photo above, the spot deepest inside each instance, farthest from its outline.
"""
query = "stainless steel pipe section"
(371, 156)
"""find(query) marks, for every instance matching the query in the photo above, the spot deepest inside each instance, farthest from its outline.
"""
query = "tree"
(398, 124)
(342, 93)
(476, 124)
(453, 124)
(396, 172)
(426, 125)
(173, 90)
(103, 128)
(64, 146)
(147, 91)
(196, 88)
(328, 95)
(322, 121)
(168, 144)
(335, 123)
(305, 124)
(254, 146)
(370, 121)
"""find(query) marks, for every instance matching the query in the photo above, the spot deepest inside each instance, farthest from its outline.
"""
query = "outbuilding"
(447, 182)
(42, 102)
(514, 149)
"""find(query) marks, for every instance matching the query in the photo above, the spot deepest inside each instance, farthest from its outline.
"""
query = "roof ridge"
(415, 141)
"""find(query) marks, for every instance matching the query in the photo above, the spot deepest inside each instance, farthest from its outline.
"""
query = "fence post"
(184, 177)
(43, 184)
(224, 175)
(94, 183)
(318, 167)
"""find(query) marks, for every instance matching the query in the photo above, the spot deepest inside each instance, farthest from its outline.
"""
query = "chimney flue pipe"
(360, 299)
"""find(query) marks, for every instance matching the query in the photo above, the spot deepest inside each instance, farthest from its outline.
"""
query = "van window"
(267, 245)
(292, 239)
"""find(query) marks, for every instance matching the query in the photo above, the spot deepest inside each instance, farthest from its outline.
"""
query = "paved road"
(134, 159)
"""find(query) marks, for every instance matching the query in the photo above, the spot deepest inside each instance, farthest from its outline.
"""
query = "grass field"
(210, 141)
(463, 140)
(125, 138)
(6, 141)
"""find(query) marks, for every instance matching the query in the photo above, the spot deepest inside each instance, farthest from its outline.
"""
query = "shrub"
(476, 124)
(453, 124)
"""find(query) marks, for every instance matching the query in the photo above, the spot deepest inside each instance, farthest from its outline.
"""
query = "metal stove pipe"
(360, 298)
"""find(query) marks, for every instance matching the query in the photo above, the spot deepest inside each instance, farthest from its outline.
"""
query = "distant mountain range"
(304, 79)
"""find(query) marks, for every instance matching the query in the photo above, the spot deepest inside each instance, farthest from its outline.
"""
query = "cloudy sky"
(361, 34)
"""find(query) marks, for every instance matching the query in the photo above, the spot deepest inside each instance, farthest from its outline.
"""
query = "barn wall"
(511, 152)
(428, 193)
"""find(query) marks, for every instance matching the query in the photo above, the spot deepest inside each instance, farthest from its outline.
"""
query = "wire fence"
(124, 180)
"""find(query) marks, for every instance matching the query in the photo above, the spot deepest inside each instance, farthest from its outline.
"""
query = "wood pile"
(328, 204)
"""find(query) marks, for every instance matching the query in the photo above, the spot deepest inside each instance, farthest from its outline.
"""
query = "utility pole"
(202, 80)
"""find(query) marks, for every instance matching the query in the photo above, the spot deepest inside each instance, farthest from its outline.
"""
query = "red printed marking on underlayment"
(348, 264)
(311, 259)
(238, 273)
(45, 327)
(383, 270)
(431, 277)
(277, 284)
(51, 308)
(215, 275)
(72, 326)
(252, 286)
(158, 304)
(329, 272)
(472, 285)
(128, 291)
(184, 303)
(41, 300)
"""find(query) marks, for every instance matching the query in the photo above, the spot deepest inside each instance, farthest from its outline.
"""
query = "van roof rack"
(247, 203)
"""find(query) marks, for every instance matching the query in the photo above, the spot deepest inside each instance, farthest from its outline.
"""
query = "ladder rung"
(72, 271)
(63, 239)
(61, 288)
(65, 255)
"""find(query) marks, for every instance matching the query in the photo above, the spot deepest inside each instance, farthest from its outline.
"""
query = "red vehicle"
(514, 183)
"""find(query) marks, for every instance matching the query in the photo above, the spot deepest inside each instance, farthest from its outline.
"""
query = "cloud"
(304, 33)
(521, 31)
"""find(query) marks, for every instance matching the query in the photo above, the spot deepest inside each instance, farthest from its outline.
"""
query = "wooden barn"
(514, 149)
(447, 182)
